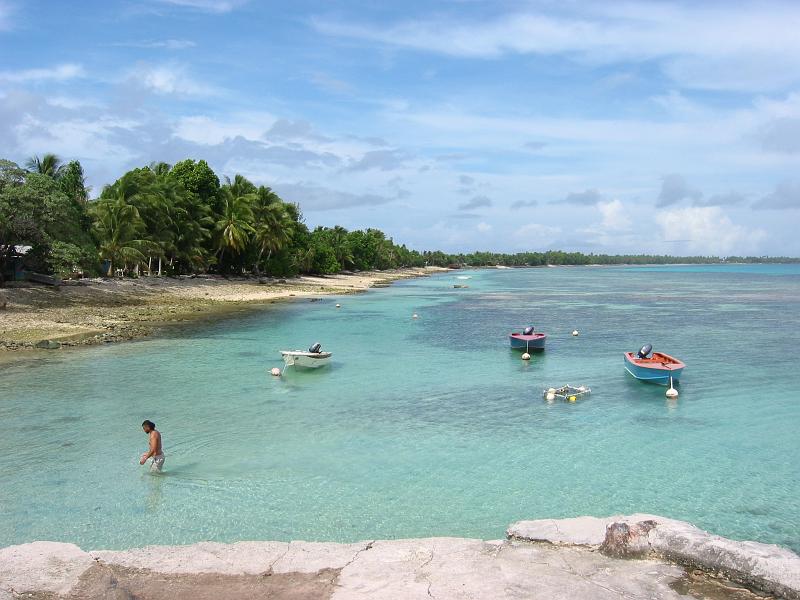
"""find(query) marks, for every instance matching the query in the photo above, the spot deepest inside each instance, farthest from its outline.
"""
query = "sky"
(606, 127)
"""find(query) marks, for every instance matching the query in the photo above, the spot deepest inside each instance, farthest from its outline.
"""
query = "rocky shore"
(99, 311)
(616, 558)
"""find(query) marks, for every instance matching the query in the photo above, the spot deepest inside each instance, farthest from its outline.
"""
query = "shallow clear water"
(422, 427)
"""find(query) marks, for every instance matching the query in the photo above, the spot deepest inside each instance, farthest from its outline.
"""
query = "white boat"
(312, 358)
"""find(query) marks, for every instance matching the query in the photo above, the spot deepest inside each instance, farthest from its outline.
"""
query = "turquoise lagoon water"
(427, 427)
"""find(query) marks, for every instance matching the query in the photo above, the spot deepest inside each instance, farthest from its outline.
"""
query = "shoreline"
(613, 558)
(100, 311)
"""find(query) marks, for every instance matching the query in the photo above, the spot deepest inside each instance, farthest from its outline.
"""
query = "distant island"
(181, 219)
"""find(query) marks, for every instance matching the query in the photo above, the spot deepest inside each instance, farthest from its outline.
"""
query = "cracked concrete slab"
(309, 557)
(450, 568)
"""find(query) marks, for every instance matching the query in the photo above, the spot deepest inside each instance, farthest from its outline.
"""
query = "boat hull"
(520, 341)
(654, 370)
(306, 360)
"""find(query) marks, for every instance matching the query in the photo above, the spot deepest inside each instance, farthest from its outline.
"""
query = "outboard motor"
(528, 330)
(645, 350)
(316, 348)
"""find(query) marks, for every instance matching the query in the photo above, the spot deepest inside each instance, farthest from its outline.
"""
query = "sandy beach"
(96, 311)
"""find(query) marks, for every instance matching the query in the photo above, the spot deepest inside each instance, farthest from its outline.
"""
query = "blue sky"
(462, 125)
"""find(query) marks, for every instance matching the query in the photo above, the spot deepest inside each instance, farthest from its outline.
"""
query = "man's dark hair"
(149, 423)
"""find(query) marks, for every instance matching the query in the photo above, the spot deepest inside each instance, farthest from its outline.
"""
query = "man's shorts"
(158, 463)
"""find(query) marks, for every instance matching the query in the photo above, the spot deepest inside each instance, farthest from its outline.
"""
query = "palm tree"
(160, 168)
(341, 246)
(49, 165)
(273, 224)
(124, 190)
(234, 225)
(118, 228)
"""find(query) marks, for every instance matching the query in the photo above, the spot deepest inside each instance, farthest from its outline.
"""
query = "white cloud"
(707, 230)
(615, 216)
(535, 236)
(89, 139)
(483, 227)
(205, 130)
(754, 47)
(61, 72)
(73, 103)
(212, 6)
(170, 44)
(170, 79)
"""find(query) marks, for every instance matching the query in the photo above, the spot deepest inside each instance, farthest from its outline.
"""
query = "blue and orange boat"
(527, 340)
(659, 368)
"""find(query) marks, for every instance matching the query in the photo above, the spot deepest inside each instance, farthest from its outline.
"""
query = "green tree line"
(179, 219)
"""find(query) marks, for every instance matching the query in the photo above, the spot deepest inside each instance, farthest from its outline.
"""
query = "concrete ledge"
(580, 561)
(765, 567)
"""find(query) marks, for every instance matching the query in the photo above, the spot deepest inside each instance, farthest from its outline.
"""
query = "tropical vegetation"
(164, 219)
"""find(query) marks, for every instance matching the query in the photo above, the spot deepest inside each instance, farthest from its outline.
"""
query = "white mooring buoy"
(574, 332)
(526, 356)
(338, 306)
(276, 371)
(671, 392)
(415, 316)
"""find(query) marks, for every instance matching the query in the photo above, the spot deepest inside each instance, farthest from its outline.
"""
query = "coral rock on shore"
(765, 567)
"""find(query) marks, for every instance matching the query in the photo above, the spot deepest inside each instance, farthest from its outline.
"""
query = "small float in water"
(463, 276)
(659, 368)
(527, 340)
(567, 393)
(313, 358)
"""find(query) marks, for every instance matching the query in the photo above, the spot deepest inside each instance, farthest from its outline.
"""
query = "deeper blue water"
(425, 427)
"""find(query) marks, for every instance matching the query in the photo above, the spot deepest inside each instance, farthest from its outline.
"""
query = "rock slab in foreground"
(441, 568)
(569, 567)
(764, 567)
(42, 567)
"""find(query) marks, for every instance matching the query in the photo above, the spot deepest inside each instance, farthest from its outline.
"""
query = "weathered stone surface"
(241, 558)
(767, 567)
(763, 566)
(42, 567)
(580, 531)
(205, 557)
(441, 568)
(310, 557)
(445, 568)
(105, 582)
(627, 541)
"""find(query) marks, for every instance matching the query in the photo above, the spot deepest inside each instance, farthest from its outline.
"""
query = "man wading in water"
(155, 447)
